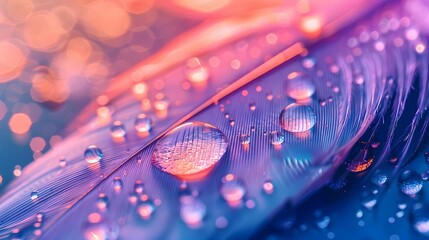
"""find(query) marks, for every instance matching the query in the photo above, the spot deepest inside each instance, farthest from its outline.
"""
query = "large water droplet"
(117, 130)
(297, 118)
(420, 218)
(143, 124)
(193, 212)
(232, 190)
(410, 182)
(189, 149)
(299, 87)
(93, 154)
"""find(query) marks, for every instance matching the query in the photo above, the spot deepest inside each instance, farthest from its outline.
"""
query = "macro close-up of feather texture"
(214, 119)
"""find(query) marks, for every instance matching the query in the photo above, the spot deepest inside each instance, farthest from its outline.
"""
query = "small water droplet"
(252, 106)
(146, 209)
(245, 139)
(117, 130)
(93, 154)
(276, 138)
(189, 149)
(309, 62)
(410, 182)
(39, 217)
(34, 195)
(62, 162)
(359, 213)
(138, 187)
(360, 162)
(193, 212)
(379, 177)
(369, 202)
(100, 230)
(117, 184)
(269, 96)
(196, 73)
(232, 190)
(297, 118)
(102, 202)
(143, 124)
(231, 122)
(323, 222)
(268, 187)
(299, 88)
(359, 80)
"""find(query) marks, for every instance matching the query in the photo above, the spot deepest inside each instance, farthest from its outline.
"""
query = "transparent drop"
(379, 177)
(420, 218)
(232, 190)
(34, 195)
(410, 182)
(193, 212)
(276, 138)
(196, 72)
(369, 202)
(143, 124)
(297, 118)
(62, 162)
(138, 187)
(189, 149)
(252, 106)
(268, 187)
(146, 209)
(308, 62)
(245, 139)
(102, 202)
(323, 222)
(100, 231)
(117, 184)
(299, 88)
(117, 130)
(93, 154)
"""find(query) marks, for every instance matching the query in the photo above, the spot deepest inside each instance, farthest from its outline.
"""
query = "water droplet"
(193, 212)
(245, 139)
(359, 80)
(308, 62)
(379, 177)
(39, 217)
(360, 162)
(138, 187)
(420, 218)
(189, 149)
(359, 214)
(299, 88)
(93, 154)
(268, 187)
(369, 202)
(34, 195)
(252, 106)
(323, 222)
(297, 118)
(269, 96)
(277, 138)
(143, 124)
(102, 202)
(410, 182)
(146, 209)
(117, 130)
(196, 72)
(232, 190)
(62, 162)
(117, 184)
(100, 231)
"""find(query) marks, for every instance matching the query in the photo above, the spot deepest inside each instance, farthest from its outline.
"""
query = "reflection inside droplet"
(189, 149)
(297, 118)
(93, 154)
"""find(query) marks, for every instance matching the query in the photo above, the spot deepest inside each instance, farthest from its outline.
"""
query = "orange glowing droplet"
(43, 31)
(12, 60)
(105, 20)
(140, 90)
(20, 123)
